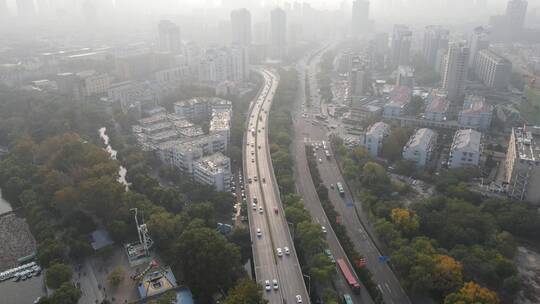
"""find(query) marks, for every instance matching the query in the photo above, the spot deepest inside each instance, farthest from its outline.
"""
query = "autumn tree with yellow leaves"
(472, 293)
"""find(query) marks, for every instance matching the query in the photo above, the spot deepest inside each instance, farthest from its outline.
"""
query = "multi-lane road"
(269, 229)
(352, 216)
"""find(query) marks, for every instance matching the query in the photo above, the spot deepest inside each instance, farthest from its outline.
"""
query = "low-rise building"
(522, 164)
(213, 170)
(373, 138)
(420, 146)
(437, 107)
(466, 149)
(194, 109)
(476, 113)
(397, 103)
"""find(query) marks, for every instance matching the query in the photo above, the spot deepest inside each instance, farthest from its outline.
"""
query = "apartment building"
(373, 138)
(466, 149)
(476, 113)
(213, 170)
(522, 164)
(397, 103)
(494, 70)
(420, 146)
(437, 107)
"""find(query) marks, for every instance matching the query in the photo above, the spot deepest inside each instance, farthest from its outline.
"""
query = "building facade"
(435, 38)
(522, 164)
(494, 70)
(373, 138)
(466, 149)
(401, 45)
(399, 99)
(476, 113)
(455, 71)
(241, 27)
(420, 146)
(213, 170)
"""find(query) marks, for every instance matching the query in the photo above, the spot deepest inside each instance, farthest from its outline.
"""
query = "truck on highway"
(341, 191)
(347, 299)
(349, 277)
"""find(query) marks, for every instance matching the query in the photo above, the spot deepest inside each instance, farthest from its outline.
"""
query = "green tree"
(394, 142)
(207, 261)
(66, 294)
(310, 237)
(57, 274)
(245, 291)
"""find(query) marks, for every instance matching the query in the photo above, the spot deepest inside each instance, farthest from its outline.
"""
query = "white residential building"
(213, 170)
(522, 165)
(373, 138)
(399, 98)
(420, 147)
(476, 113)
(466, 149)
(193, 109)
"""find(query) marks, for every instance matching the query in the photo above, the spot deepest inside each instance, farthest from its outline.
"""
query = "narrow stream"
(122, 171)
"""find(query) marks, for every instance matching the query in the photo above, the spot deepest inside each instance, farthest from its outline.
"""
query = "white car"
(267, 285)
(254, 206)
(287, 251)
(260, 210)
(323, 229)
(259, 233)
(274, 282)
(298, 299)
(279, 252)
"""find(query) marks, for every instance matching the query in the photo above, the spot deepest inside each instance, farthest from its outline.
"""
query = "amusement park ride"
(139, 253)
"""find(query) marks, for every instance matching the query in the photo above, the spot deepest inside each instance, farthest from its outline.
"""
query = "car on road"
(267, 285)
(276, 210)
(320, 161)
(298, 299)
(323, 229)
(253, 160)
(287, 251)
(330, 255)
(249, 180)
(259, 232)
(275, 284)
(260, 210)
(255, 178)
(279, 252)
(254, 206)
(263, 180)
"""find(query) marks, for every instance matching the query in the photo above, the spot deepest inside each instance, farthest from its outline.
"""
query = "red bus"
(351, 280)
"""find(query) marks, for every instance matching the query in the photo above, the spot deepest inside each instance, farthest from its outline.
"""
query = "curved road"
(268, 215)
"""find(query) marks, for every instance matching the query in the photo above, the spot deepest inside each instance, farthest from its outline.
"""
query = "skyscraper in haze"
(169, 37)
(278, 32)
(435, 38)
(3, 9)
(360, 17)
(26, 8)
(241, 27)
(516, 11)
(455, 70)
(479, 41)
(401, 45)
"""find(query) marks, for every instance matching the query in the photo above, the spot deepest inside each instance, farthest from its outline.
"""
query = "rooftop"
(421, 139)
(214, 163)
(438, 104)
(400, 96)
(467, 140)
(378, 129)
(221, 120)
(476, 105)
(528, 142)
